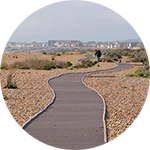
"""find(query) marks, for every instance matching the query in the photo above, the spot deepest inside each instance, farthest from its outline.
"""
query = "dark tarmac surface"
(74, 121)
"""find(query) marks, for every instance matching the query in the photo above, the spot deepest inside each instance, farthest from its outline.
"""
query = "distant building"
(91, 44)
(51, 43)
(64, 43)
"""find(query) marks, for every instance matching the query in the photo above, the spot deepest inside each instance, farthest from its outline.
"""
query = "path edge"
(49, 104)
(104, 112)
(54, 96)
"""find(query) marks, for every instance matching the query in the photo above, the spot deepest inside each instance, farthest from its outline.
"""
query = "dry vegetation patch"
(18, 57)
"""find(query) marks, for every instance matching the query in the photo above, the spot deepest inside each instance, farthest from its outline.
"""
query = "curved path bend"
(75, 120)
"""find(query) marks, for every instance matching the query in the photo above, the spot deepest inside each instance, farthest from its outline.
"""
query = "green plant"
(24, 67)
(63, 53)
(48, 67)
(143, 60)
(109, 60)
(58, 54)
(4, 68)
(85, 64)
(119, 56)
(5, 97)
(126, 54)
(59, 66)
(89, 64)
(130, 75)
(147, 72)
(95, 62)
(69, 64)
(140, 74)
(82, 66)
(75, 67)
(12, 86)
(44, 53)
(115, 59)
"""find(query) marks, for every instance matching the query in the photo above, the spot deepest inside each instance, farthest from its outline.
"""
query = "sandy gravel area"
(33, 92)
(14, 57)
(124, 96)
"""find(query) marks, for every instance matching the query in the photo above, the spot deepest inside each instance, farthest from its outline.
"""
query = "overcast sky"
(74, 20)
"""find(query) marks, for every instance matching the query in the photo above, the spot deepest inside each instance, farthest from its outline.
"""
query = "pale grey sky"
(74, 20)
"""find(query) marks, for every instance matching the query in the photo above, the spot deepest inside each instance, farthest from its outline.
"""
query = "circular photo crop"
(75, 75)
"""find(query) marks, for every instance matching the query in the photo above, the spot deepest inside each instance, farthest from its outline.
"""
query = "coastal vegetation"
(36, 64)
(134, 56)
(112, 56)
(84, 64)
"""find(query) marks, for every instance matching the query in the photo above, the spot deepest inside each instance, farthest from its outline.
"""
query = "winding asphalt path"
(74, 121)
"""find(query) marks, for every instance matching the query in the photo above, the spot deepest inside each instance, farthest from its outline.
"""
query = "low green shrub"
(12, 86)
(109, 60)
(95, 62)
(24, 67)
(5, 97)
(69, 64)
(115, 59)
(143, 60)
(119, 56)
(63, 53)
(46, 67)
(58, 54)
(44, 53)
(84, 64)
(59, 66)
(76, 67)
(130, 75)
(4, 68)
(139, 74)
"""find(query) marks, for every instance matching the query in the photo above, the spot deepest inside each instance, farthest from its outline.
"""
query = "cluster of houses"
(65, 43)
(121, 45)
(102, 45)
(25, 45)
(77, 43)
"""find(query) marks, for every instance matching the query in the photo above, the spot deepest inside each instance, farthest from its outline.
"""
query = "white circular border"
(12, 13)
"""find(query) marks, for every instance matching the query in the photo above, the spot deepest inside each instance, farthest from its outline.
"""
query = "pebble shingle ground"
(124, 97)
